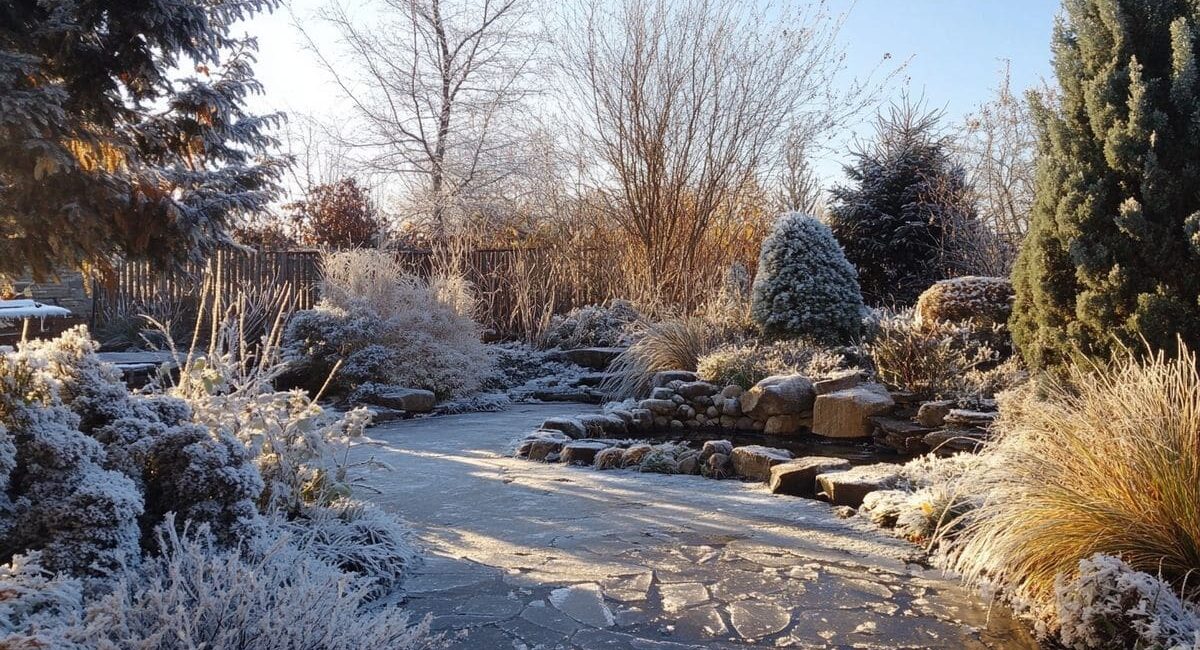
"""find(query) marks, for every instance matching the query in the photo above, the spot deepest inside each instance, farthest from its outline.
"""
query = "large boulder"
(799, 477)
(570, 426)
(779, 395)
(581, 452)
(409, 400)
(754, 462)
(593, 358)
(546, 448)
(847, 413)
(848, 488)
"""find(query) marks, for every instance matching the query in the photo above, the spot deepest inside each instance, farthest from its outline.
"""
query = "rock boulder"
(847, 413)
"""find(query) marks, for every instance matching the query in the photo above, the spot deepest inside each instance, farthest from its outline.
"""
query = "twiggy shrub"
(384, 325)
(1106, 460)
(930, 359)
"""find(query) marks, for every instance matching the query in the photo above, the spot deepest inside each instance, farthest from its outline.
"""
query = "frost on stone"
(1110, 605)
(805, 287)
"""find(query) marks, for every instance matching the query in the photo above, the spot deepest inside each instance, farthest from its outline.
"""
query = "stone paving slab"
(527, 555)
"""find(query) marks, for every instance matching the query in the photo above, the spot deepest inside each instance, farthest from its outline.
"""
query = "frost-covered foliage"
(37, 607)
(99, 509)
(609, 458)
(607, 325)
(1108, 604)
(519, 370)
(745, 364)
(58, 497)
(805, 287)
(729, 306)
(939, 359)
(381, 324)
(355, 537)
(673, 344)
(1103, 460)
(980, 301)
(280, 596)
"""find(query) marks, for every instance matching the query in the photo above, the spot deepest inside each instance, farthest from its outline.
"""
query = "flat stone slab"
(754, 462)
(559, 545)
(848, 488)
(584, 603)
(799, 477)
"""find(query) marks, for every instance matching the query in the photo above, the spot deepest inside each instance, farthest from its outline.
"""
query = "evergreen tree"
(1113, 252)
(805, 287)
(897, 217)
(106, 149)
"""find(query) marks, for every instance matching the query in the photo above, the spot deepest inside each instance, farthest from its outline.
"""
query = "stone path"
(526, 555)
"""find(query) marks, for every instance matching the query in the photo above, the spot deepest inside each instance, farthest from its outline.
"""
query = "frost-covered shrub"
(204, 476)
(386, 326)
(280, 597)
(1102, 460)
(37, 607)
(355, 537)
(805, 287)
(61, 501)
(609, 458)
(934, 360)
(980, 301)
(607, 325)
(745, 364)
(1108, 604)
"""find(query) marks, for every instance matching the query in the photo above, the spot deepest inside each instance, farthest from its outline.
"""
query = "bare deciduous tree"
(432, 84)
(998, 150)
(685, 105)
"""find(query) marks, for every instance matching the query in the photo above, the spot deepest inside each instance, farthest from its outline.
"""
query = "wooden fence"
(506, 281)
(139, 286)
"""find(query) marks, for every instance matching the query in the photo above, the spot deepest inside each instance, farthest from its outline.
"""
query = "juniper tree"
(1113, 252)
(805, 287)
(124, 130)
(897, 217)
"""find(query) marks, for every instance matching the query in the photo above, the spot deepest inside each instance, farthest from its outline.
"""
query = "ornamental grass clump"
(674, 344)
(1105, 460)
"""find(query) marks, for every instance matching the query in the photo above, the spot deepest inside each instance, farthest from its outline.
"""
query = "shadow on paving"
(530, 555)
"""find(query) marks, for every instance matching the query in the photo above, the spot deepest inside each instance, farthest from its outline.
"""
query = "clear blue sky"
(956, 46)
(954, 49)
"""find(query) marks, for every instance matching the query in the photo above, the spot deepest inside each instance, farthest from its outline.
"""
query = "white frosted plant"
(279, 596)
(805, 286)
(60, 499)
(1110, 605)
(382, 324)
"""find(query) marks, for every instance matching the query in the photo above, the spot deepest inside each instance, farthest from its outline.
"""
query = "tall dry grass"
(1105, 460)
(673, 344)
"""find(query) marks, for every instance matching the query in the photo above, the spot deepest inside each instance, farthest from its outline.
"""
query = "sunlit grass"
(1105, 460)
